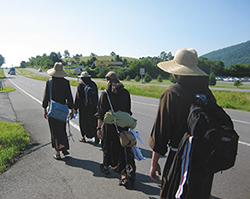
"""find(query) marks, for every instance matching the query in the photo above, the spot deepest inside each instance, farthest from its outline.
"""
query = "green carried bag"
(121, 119)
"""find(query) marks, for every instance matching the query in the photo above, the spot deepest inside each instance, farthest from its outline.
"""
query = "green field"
(226, 99)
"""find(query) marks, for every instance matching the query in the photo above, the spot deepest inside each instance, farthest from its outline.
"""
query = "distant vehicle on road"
(12, 71)
(40, 70)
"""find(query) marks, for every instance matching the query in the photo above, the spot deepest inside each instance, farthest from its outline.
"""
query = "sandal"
(104, 170)
(57, 156)
(82, 139)
(124, 182)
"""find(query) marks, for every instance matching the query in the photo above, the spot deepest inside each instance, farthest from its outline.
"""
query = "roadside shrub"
(147, 78)
(237, 83)
(159, 78)
(171, 79)
(128, 78)
(137, 78)
(212, 80)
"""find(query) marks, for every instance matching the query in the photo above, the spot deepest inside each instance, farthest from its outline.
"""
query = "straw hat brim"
(56, 73)
(178, 69)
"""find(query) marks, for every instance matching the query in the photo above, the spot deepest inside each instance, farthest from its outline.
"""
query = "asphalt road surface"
(37, 175)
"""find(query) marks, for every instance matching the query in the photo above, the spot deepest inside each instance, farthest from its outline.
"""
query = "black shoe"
(104, 170)
(97, 140)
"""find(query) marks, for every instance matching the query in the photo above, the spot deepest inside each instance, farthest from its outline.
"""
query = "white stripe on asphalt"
(78, 128)
(71, 123)
(241, 121)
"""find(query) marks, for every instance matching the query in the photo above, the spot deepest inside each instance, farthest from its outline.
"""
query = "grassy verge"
(233, 100)
(13, 140)
(6, 89)
(226, 99)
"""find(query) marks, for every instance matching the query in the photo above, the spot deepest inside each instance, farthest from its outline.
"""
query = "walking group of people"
(168, 129)
(91, 114)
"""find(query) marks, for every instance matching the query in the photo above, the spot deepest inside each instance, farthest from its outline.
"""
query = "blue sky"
(132, 28)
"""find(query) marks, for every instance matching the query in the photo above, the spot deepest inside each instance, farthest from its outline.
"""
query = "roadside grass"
(13, 140)
(233, 100)
(2, 76)
(154, 89)
(29, 74)
(6, 89)
(13, 137)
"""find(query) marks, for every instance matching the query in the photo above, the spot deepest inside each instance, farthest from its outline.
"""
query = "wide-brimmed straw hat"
(57, 70)
(84, 74)
(184, 63)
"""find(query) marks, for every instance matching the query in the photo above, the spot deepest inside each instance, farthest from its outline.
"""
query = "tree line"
(130, 68)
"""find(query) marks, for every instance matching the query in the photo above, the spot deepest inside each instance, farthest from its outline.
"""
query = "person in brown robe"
(171, 123)
(113, 152)
(87, 118)
(61, 92)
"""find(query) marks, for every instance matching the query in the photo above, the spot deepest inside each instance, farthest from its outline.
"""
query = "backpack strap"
(112, 111)
(50, 88)
(185, 91)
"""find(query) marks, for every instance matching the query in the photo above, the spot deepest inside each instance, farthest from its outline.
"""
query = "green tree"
(170, 56)
(112, 53)
(159, 78)
(59, 55)
(237, 83)
(23, 64)
(2, 60)
(117, 58)
(121, 74)
(147, 78)
(93, 55)
(164, 56)
(54, 57)
(128, 78)
(66, 54)
(172, 79)
(137, 78)
(212, 79)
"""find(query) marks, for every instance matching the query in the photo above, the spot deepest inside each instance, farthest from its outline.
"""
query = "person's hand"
(155, 168)
(71, 115)
(45, 113)
(99, 134)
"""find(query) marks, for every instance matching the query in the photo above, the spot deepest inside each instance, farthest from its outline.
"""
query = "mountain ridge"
(235, 54)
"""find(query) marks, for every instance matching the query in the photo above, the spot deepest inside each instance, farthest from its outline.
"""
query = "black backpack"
(215, 142)
(91, 95)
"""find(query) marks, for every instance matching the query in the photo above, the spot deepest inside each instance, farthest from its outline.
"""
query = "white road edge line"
(71, 123)
(241, 121)
(78, 128)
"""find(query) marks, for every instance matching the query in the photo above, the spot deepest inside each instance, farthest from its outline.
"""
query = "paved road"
(37, 175)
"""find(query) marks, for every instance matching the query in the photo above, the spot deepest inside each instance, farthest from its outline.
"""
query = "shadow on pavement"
(141, 179)
(213, 197)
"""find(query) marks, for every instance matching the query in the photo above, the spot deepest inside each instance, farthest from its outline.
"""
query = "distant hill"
(237, 54)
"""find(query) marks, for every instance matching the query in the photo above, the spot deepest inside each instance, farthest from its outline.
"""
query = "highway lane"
(234, 183)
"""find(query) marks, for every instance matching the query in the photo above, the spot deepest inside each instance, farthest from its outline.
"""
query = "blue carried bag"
(57, 110)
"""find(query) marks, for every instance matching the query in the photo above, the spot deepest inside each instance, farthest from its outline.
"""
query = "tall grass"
(233, 100)
(13, 140)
